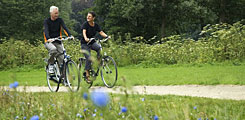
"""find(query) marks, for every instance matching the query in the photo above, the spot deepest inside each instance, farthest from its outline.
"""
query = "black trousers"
(87, 48)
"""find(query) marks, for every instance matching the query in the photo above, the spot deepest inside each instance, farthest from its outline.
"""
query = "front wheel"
(72, 76)
(108, 71)
(53, 79)
(82, 73)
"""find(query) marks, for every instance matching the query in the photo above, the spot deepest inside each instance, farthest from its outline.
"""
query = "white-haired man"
(53, 29)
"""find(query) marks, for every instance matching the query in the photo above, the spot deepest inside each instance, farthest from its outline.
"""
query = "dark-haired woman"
(89, 30)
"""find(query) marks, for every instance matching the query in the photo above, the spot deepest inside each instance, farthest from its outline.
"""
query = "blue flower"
(17, 117)
(79, 115)
(119, 113)
(155, 117)
(101, 114)
(85, 110)
(142, 99)
(24, 117)
(94, 115)
(34, 117)
(100, 99)
(11, 85)
(14, 85)
(85, 96)
(199, 118)
(194, 107)
(124, 109)
(95, 110)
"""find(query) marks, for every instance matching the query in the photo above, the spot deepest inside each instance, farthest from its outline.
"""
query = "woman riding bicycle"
(89, 30)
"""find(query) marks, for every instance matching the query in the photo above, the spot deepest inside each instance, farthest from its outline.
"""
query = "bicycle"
(107, 68)
(67, 73)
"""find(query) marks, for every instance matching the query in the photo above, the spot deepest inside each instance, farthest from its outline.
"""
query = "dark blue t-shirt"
(90, 31)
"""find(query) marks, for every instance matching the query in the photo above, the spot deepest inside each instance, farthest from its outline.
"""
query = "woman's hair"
(92, 13)
(52, 8)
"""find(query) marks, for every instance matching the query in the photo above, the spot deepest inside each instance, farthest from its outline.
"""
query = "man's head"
(54, 12)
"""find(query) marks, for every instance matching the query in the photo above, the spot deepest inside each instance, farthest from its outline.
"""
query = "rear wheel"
(72, 76)
(109, 72)
(53, 79)
(82, 73)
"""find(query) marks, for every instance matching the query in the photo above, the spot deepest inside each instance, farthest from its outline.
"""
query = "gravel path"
(234, 92)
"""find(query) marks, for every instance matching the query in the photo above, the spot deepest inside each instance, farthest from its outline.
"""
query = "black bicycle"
(67, 73)
(107, 68)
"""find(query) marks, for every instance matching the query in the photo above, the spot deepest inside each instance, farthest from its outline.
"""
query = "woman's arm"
(85, 36)
(103, 34)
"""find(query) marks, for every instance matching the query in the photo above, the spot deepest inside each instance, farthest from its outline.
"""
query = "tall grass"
(74, 106)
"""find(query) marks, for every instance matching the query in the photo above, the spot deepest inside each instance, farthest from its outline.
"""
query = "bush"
(219, 43)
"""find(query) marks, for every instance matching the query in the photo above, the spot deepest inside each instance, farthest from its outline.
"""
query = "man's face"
(55, 14)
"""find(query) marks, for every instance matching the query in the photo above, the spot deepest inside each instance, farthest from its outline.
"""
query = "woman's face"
(90, 17)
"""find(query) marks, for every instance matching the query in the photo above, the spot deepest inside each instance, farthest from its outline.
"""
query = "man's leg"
(52, 51)
(60, 53)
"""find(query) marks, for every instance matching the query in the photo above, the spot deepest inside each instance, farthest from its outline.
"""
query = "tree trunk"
(163, 20)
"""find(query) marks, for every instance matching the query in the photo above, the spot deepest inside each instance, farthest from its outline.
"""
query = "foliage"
(71, 106)
(23, 19)
(220, 42)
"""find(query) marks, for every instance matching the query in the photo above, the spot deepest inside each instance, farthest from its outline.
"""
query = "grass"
(72, 106)
(203, 74)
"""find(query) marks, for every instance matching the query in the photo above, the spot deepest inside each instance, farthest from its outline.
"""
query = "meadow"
(202, 74)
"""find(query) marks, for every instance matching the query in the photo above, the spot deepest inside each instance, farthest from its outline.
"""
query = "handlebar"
(60, 39)
(92, 40)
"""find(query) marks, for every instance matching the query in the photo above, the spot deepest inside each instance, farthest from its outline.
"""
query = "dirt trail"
(234, 92)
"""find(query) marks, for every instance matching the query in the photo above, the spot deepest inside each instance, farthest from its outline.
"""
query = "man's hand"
(50, 40)
(71, 38)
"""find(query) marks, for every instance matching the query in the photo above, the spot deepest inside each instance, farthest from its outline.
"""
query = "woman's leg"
(87, 55)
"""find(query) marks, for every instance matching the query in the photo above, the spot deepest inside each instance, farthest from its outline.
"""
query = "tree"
(23, 19)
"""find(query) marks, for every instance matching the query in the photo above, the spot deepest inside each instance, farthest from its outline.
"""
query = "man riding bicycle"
(53, 29)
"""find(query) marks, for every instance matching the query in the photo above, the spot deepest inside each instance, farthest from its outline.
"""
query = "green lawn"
(69, 106)
(204, 74)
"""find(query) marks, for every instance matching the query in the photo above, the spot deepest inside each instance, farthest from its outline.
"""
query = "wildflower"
(35, 117)
(24, 118)
(94, 115)
(155, 117)
(95, 110)
(79, 115)
(199, 118)
(194, 107)
(119, 113)
(143, 99)
(100, 99)
(124, 109)
(85, 110)
(14, 85)
(85, 96)
(101, 114)
(17, 117)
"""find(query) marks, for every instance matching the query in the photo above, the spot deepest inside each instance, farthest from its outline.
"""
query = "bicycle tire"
(82, 73)
(109, 72)
(53, 81)
(72, 76)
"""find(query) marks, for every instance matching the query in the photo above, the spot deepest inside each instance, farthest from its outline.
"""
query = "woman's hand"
(86, 39)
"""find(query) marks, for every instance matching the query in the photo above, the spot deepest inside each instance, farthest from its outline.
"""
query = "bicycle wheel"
(82, 74)
(53, 79)
(72, 76)
(109, 71)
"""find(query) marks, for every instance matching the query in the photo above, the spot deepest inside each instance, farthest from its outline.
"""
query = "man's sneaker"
(51, 69)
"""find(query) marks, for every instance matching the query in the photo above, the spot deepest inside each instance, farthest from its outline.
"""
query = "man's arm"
(67, 32)
(46, 31)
